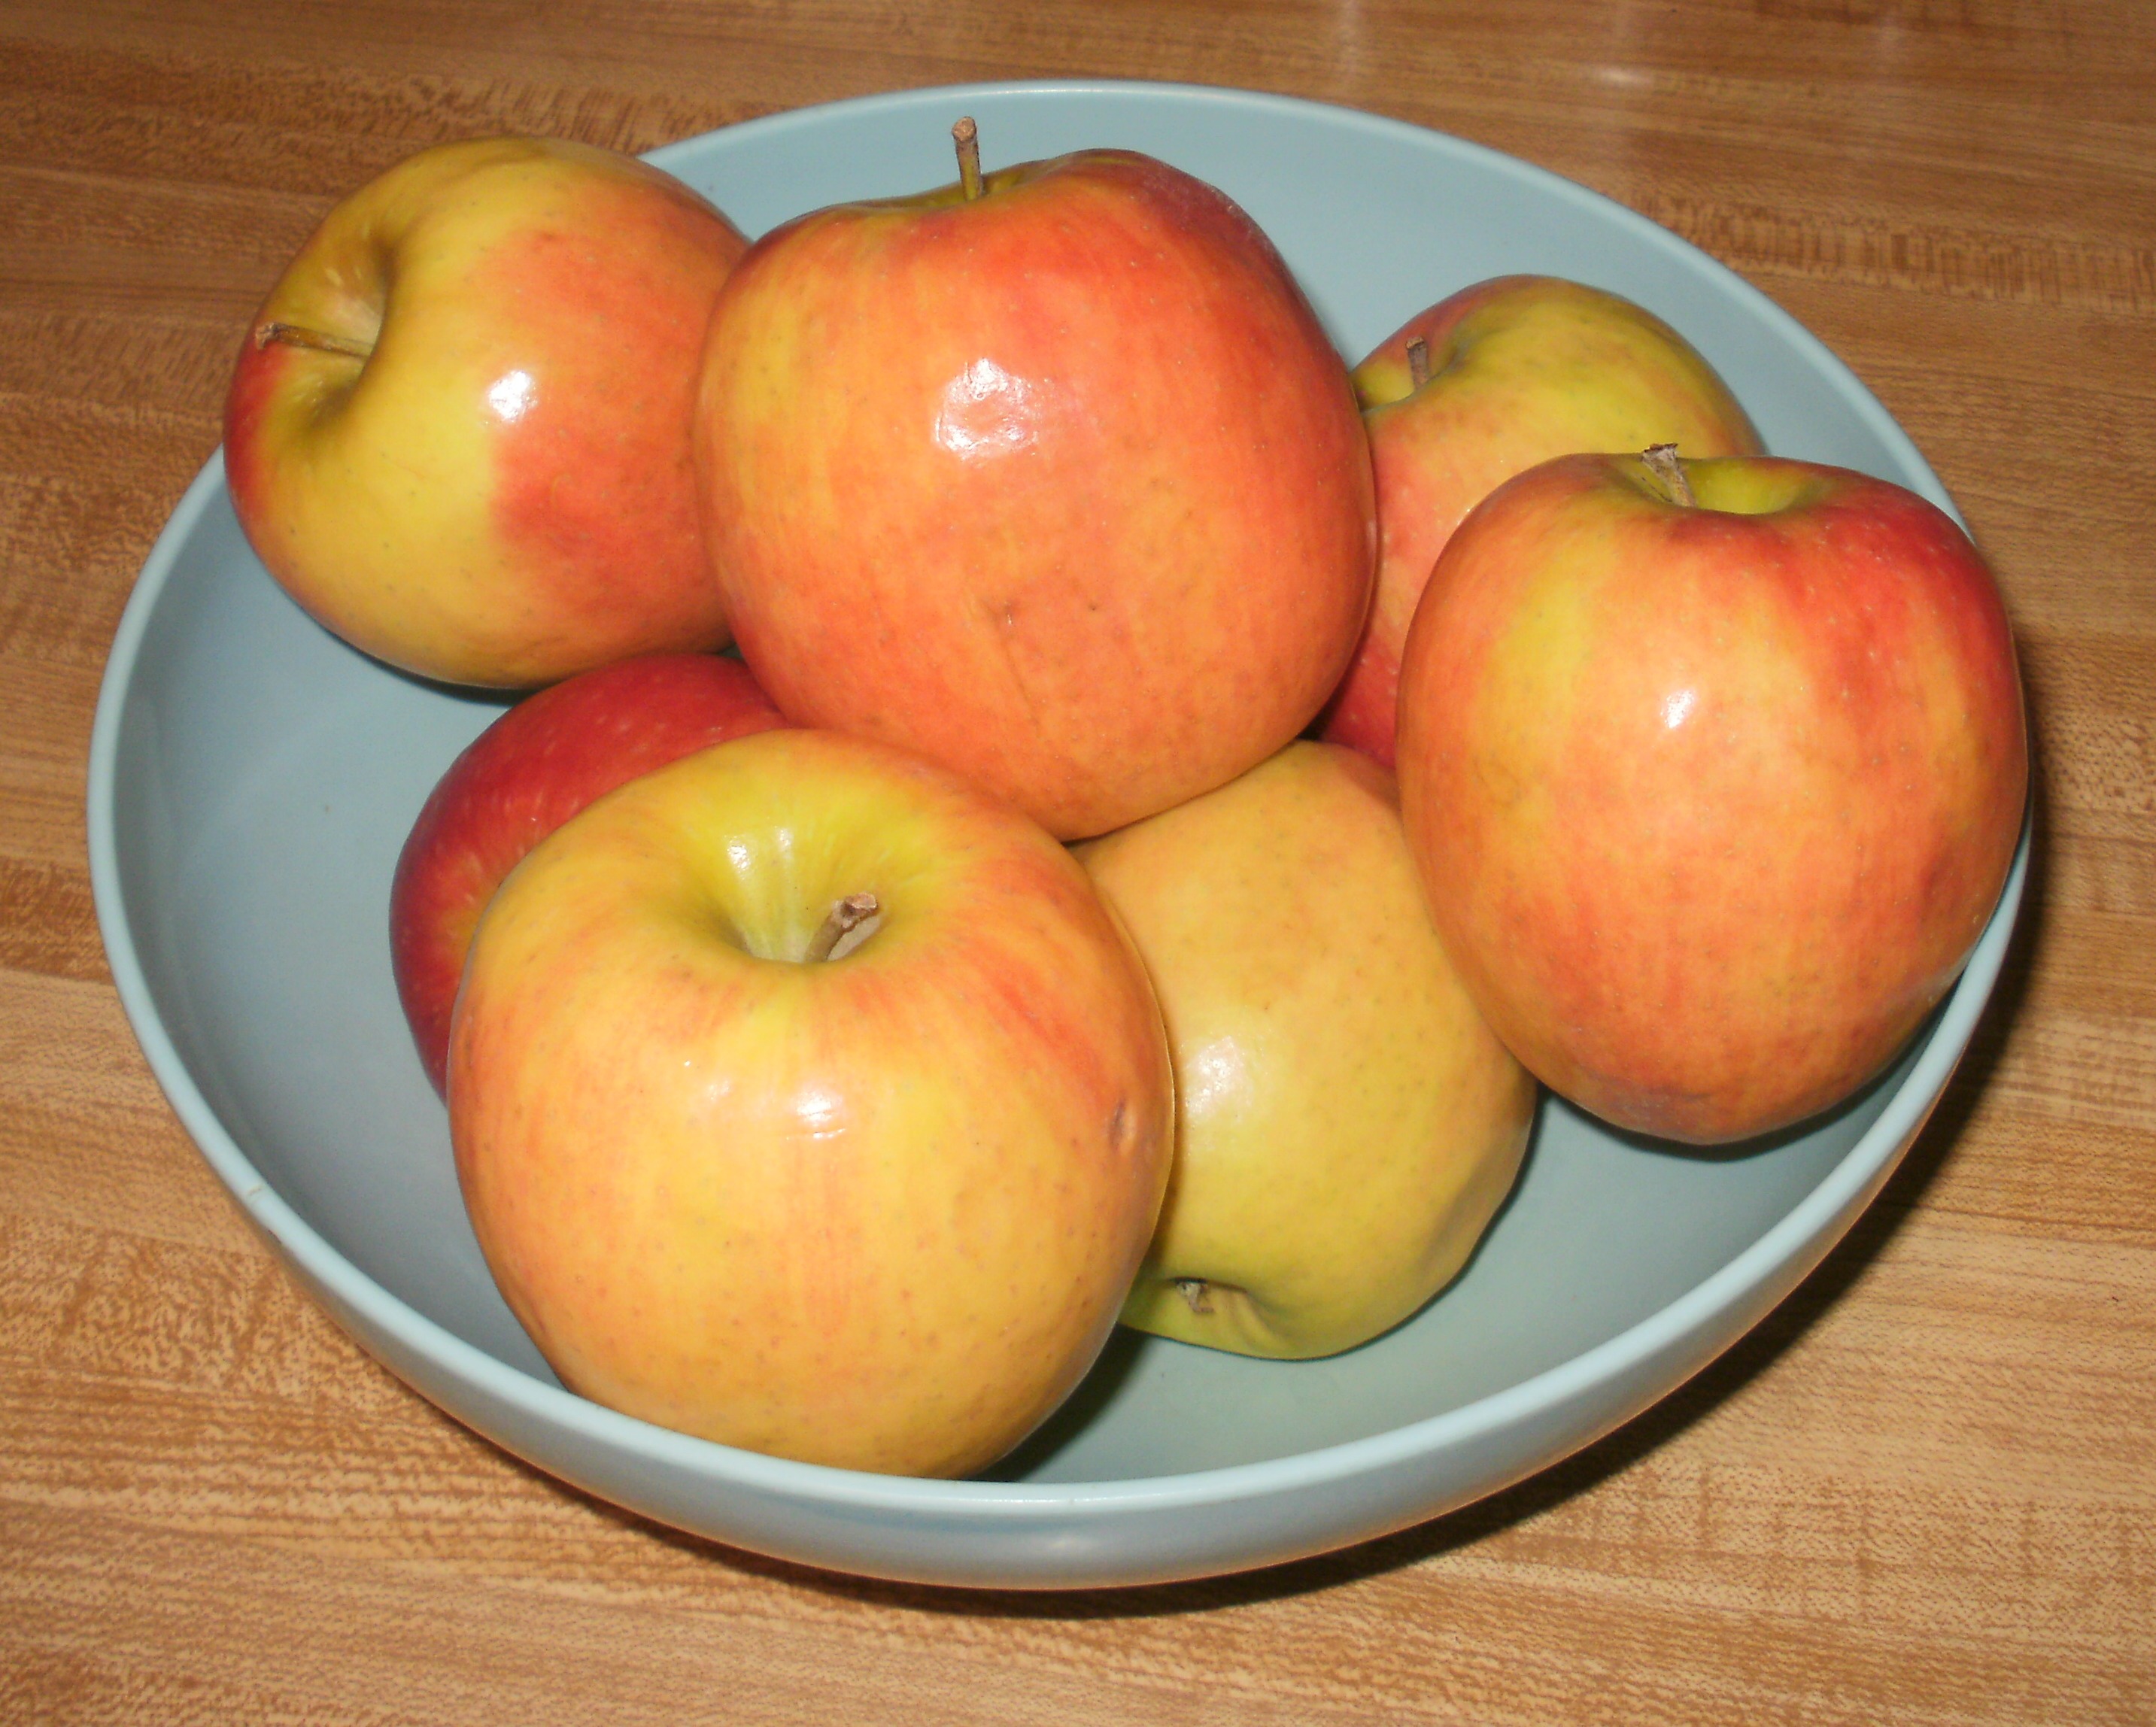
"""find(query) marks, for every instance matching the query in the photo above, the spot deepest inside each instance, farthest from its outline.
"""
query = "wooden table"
(1924, 1491)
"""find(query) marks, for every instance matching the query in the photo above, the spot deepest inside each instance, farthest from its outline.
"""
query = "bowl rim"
(1751, 1270)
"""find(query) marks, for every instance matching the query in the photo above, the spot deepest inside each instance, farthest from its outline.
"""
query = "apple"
(1050, 476)
(1346, 1124)
(459, 430)
(1713, 772)
(1484, 385)
(521, 779)
(808, 1100)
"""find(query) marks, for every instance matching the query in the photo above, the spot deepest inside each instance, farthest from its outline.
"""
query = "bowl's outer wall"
(1149, 1537)
(274, 1031)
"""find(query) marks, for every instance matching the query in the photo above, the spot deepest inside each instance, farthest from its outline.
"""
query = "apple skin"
(521, 779)
(500, 492)
(1347, 1125)
(1521, 368)
(877, 1213)
(1711, 804)
(1063, 487)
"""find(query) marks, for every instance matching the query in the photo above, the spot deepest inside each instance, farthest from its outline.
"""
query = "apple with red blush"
(1484, 385)
(1050, 476)
(1713, 772)
(808, 1100)
(458, 434)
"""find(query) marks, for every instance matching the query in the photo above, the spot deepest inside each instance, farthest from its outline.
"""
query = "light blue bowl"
(252, 780)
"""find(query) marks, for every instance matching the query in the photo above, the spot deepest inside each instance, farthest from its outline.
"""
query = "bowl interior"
(264, 777)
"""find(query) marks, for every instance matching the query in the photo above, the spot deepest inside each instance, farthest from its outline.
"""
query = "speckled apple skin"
(1710, 804)
(1521, 368)
(521, 779)
(501, 494)
(878, 1213)
(1063, 488)
(1347, 1125)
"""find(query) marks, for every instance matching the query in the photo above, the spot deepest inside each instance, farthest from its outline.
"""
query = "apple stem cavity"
(849, 923)
(1418, 361)
(1661, 458)
(967, 137)
(298, 336)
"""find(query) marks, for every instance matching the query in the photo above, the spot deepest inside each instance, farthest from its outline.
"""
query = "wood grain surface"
(1925, 1491)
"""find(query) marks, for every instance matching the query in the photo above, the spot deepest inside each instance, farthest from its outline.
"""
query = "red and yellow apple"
(1511, 372)
(874, 1205)
(521, 779)
(1059, 485)
(1346, 1124)
(459, 430)
(1713, 772)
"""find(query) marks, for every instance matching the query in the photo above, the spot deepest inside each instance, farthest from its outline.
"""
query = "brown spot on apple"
(1505, 785)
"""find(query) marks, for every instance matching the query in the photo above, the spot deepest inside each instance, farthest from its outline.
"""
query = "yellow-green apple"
(459, 430)
(1713, 772)
(1488, 383)
(807, 1100)
(521, 779)
(1059, 485)
(1346, 1123)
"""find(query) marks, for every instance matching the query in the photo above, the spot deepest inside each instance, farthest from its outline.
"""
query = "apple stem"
(857, 915)
(1418, 361)
(298, 336)
(1197, 1292)
(1662, 459)
(967, 137)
